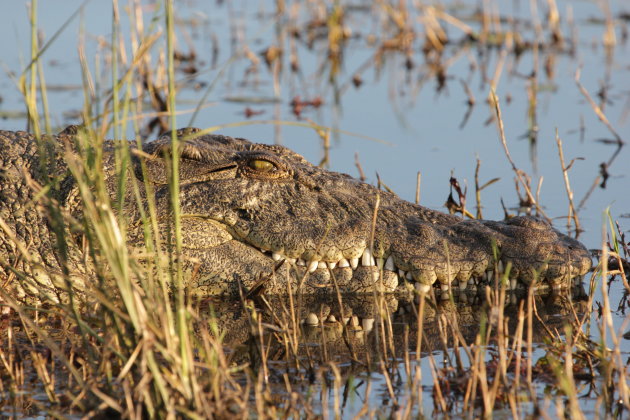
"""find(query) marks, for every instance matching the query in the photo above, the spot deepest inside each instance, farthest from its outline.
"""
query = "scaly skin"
(261, 214)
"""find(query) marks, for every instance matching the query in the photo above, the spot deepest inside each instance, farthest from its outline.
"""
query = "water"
(413, 124)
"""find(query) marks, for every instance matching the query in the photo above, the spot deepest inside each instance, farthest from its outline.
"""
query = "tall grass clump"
(140, 349)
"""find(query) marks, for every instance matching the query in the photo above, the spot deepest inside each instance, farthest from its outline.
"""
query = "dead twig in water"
(494, 102)
(598, 111)
(418, 180)
(565, 169)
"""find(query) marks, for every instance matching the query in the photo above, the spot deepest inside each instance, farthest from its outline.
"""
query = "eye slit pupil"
(262, 165)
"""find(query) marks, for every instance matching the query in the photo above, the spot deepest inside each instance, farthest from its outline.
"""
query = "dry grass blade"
(598, 111)
(494, 101)
(565, 174)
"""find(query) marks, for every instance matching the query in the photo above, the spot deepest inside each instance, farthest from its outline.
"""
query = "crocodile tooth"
(276, 257)
(332, 265)
(331, 318)
(312, 319)
(300, 262)
(409, 276)
(445, 287)
(321, 264)
(354, 263)
(367, 324)
(422, 288)
(312, 266)
(501, 267)
(463, 285)
(401, 274)
(343, 263)
(380, 262)
(389, 264)
(367, 259)
(291, 260)
(513, 284)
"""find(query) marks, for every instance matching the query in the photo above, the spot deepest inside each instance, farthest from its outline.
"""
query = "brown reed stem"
(494, 101)
(565, 174)
(598, 111)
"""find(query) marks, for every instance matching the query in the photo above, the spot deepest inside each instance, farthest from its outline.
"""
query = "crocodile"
(323, 320)
(261, 217)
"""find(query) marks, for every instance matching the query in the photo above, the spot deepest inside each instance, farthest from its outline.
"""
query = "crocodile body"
(256, 214)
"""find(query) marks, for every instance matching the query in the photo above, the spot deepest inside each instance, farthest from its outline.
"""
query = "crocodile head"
(248, 207)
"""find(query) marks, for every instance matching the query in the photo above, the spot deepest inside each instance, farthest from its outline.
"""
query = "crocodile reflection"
(354, 329)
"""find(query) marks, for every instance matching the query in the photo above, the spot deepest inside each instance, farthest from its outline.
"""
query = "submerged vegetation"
(131, 343)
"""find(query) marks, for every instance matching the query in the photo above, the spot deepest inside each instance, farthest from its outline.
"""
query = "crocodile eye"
(262, 165)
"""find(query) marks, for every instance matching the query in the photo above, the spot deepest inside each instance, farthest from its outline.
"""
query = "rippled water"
(402, 119)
